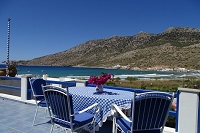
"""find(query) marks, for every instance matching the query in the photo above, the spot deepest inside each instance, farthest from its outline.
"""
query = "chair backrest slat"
(162, 112)
(144, 114)
(157, 116)
(148, 114)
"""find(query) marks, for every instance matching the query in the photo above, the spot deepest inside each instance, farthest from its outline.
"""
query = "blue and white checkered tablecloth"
(86, 96)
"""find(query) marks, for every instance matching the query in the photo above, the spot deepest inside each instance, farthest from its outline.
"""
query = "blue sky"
(43, 27)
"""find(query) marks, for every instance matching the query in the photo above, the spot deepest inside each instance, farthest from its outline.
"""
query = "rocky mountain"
(174, 47)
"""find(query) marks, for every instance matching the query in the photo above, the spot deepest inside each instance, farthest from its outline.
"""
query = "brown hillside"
(175, 47)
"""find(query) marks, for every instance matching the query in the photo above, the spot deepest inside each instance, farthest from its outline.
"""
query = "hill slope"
(175, 47)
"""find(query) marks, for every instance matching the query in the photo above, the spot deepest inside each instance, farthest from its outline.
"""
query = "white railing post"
(189, 111)
(44, 76)
(80, 83)
(25, 86)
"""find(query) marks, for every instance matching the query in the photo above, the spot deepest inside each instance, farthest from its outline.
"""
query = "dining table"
(85, 96)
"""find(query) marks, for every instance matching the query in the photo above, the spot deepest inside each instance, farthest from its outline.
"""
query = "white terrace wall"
(189, 111)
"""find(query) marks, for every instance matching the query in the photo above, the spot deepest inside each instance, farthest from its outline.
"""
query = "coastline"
(162, 69)
(86, 72)
(120, 67)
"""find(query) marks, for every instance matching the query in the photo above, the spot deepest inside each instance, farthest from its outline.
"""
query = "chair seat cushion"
(83, 118)
(42, 103)
(78, 121)
(126, 127)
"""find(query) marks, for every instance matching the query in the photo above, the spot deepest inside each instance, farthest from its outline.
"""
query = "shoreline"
(85, 72)
(119, 67)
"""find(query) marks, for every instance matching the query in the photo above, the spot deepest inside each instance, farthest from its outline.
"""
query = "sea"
(83, 72)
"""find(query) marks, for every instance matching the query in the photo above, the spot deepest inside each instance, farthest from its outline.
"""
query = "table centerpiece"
(100, 80)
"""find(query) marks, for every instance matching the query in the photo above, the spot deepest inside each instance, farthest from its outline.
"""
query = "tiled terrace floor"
(17, 117)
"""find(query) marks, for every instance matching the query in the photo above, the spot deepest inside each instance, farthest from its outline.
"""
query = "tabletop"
(86, 96)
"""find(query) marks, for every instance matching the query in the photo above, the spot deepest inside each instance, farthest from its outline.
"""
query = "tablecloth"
(86, 96)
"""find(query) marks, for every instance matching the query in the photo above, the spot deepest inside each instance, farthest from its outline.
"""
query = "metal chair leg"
(93, 131)
(52, 128)
(46, 110)
(35, 115)
(114, 125)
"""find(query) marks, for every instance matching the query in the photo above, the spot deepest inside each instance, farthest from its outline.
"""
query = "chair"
(36, 86)
(149, 112)
(60, 106)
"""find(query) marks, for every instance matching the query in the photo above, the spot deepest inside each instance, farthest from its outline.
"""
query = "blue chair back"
(151, 110)
(59, 103)
(37, 88)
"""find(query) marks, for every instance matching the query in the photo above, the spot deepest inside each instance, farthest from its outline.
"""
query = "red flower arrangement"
(100, 80)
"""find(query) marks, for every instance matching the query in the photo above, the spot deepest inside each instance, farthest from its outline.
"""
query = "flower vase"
(99, 88)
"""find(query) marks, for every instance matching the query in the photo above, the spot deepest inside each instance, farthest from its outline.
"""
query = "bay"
(64, 71)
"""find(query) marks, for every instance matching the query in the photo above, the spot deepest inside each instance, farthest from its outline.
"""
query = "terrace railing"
(10, 85)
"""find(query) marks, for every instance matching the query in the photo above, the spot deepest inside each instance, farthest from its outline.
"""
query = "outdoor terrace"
(17, 111)
(17, 117)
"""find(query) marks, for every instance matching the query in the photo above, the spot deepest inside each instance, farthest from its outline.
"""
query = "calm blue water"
(59, 71)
